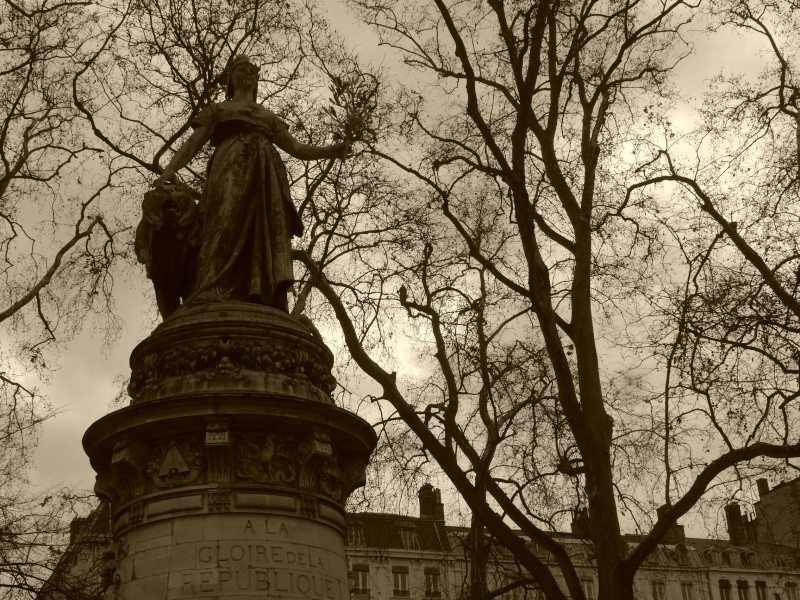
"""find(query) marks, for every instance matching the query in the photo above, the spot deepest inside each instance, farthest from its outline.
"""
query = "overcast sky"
(88, 378)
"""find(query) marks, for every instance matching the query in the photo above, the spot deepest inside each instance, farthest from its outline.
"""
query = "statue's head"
(240, 63)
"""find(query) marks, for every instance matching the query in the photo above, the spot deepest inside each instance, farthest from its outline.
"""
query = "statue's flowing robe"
(247, 211)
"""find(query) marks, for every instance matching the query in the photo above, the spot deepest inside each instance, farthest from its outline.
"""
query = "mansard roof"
(397, 532)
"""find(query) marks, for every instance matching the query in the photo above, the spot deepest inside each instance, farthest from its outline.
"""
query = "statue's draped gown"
(248, 215)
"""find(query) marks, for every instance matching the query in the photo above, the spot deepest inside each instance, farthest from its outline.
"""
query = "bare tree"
(568, 334)
(40, 555)
(57, 248)
(574, 338)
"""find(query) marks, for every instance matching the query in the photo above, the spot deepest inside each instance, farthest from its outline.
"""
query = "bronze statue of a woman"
(247, 214)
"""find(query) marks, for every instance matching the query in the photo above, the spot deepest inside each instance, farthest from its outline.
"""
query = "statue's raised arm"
(246, 211)
(185, 154)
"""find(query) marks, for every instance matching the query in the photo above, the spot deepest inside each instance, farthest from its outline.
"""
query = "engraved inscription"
(223, 554)
(287, 583)
(233, 567)
(270, 527)
(264, 562)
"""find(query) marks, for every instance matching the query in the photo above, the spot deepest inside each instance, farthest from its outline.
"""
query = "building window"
(359, 580)
(400, 581)
(748, 559)
(409, 536)
(588, 588)
(681, 554)
(687, 591)
(791, 591)
(659, 591)
(743, 589)
(724, 589)
(761, 590)
(432, 583)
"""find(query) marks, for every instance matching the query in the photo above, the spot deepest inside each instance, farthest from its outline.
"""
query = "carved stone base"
(227, 474)
(230, 347)
(234, 556)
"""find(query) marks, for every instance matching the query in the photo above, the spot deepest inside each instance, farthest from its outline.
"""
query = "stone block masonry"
(228, 472)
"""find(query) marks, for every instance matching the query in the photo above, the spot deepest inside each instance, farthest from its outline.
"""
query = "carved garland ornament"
(221, 358)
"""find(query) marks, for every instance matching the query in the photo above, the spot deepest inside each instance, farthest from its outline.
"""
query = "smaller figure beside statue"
(236, 243)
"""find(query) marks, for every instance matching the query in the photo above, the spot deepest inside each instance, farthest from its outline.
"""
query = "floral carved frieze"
(266, 459)
(224, 359)
(176, 463)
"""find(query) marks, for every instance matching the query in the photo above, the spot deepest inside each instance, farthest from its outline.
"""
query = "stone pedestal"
(228, 472)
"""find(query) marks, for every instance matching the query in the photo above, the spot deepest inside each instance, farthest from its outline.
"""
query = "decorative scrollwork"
(353, 475)
(330, 481)
(319, 466)
(124, 479)
(127, 464)
(111, 488)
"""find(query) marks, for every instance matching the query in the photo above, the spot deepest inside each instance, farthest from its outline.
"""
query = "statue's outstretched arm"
(288, 143)
(185, 154)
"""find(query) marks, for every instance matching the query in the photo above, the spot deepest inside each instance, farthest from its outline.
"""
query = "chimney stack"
(736, 530)
(580, 523)
(430, 503)
(438, 507)
(763, 486)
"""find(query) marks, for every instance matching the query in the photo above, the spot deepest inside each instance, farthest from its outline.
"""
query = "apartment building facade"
(396, 557)
(399, 557)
